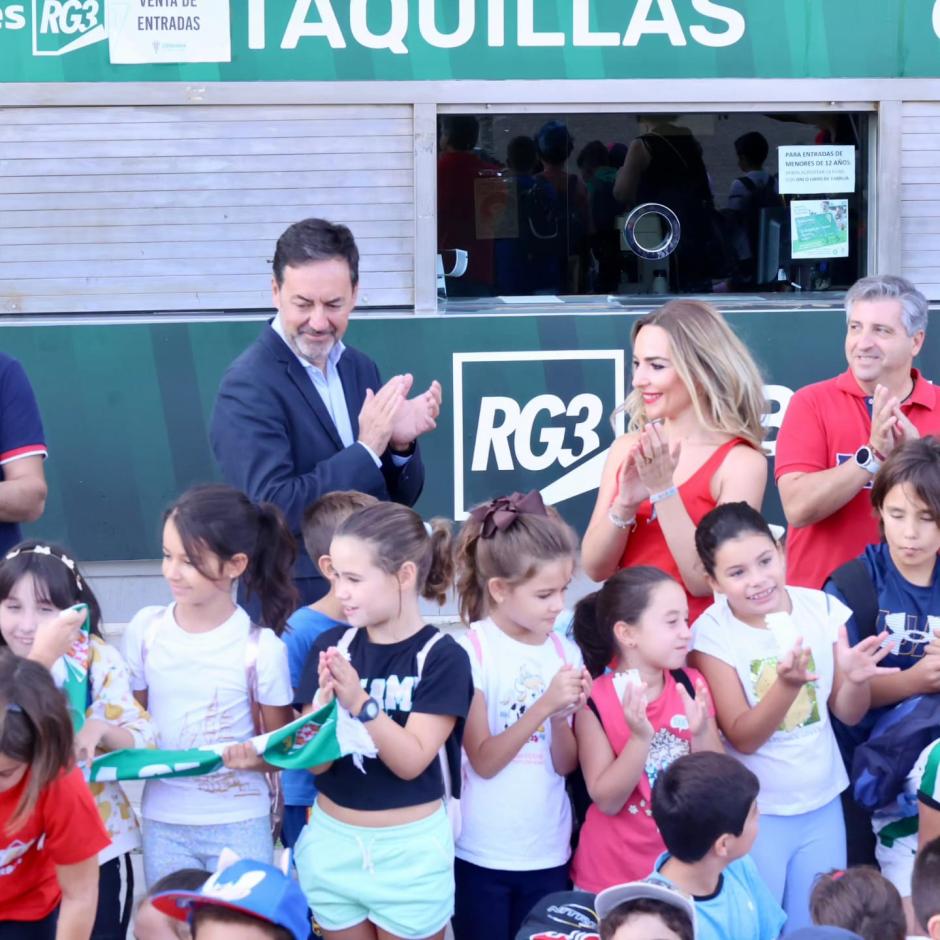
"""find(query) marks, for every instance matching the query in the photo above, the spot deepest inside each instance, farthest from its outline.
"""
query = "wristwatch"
(370, 710)
(866, 459)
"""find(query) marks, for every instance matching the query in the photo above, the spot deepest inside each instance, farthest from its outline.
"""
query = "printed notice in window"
(825, 169)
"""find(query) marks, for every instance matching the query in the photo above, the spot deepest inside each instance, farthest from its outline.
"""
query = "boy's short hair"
(699, 798)
(861, 900)
(224, 915)
(322, 518)
(916, 463)
(753, 147)
(925, 883)
(669, 914)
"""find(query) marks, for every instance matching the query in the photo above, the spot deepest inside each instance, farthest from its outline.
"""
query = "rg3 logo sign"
(533, 420)
(61, 26)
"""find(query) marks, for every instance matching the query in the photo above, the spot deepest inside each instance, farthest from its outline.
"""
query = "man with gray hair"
(836, 433)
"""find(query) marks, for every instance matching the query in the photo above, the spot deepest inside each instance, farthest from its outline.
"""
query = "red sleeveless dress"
(647, 544)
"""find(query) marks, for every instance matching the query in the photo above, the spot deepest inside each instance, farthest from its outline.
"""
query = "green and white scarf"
(322, 736)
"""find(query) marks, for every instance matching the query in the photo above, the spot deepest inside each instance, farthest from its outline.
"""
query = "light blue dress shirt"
(330, 389)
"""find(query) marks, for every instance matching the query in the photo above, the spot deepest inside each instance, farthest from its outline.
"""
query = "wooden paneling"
(920, 195)
(179, 207)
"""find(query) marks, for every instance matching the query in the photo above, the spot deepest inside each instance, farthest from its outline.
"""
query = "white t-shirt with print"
(799, 766)
(519, 820)
(197, 693)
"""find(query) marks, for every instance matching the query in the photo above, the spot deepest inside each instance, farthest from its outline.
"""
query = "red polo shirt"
(824, 426)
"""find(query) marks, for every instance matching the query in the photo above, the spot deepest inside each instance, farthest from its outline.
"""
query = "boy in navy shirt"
(304, 626)
(894, 586)
(705, 805)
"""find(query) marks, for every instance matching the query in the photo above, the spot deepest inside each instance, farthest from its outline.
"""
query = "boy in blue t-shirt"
(894, 586)
(705, 805)
(303, 627)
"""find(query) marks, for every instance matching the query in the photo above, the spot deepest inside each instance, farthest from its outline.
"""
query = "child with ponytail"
(515, 559)
(50, 830)
(208, 675)
(376, 858)
(638, 721)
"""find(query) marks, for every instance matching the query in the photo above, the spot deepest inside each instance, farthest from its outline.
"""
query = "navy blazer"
(274, 439)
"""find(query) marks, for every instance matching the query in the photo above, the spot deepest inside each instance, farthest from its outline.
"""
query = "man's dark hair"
(593, 155)
(677, 921)
(224, 915)
(554, 142)
(753, 147)
(315, 240)
(700, 798)
(925, 883)
(461, 131)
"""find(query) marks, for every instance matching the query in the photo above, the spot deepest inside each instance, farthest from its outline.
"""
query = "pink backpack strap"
(559, 647)
(474, 638)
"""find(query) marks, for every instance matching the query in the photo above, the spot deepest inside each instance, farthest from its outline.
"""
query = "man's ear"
(325, 564)
(275, 294)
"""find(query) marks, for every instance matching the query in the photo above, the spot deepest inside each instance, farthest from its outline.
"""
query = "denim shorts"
(401, 878)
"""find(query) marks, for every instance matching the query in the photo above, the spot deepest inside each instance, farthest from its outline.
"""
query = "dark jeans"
(492, 904)
(30, 929)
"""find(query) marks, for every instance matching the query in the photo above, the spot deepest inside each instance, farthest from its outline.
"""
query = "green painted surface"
(565, 39)
(126, 407)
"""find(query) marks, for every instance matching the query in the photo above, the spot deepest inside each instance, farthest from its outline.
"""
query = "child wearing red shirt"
(50, 829)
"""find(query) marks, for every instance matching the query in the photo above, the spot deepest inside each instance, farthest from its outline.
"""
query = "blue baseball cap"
(253, 888)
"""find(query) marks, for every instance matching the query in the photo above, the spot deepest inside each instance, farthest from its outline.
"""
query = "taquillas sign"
(310, 40)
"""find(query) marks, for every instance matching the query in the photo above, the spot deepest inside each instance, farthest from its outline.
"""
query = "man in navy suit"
(300, 414)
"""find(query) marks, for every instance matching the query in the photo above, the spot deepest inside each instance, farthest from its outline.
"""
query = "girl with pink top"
(638, 720)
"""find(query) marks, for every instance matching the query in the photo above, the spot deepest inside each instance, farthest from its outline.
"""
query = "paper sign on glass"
(816, 169)
(819, 228)
(144, 31)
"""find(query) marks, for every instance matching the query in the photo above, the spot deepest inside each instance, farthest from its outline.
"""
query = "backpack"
(547, 224)
(272, 777)
(761, 197)
(882, 764)
(856, 586)
(449, 754)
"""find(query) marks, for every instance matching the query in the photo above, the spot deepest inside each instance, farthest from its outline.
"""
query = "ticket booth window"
(656, 203)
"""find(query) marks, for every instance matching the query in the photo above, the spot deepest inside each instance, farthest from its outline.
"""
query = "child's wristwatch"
(369, 711)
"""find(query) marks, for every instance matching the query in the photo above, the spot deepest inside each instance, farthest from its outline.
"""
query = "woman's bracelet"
(665, 494)
(619, 521)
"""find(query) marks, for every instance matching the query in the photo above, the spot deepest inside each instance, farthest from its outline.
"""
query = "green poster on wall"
(441, 40)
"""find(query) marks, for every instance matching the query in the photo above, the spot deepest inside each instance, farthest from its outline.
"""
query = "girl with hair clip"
(515, 560)
(38, 585)
(638, 720)
(376, 858)
(778, 661)
(208, 675)
(50, 830)
(693, 441)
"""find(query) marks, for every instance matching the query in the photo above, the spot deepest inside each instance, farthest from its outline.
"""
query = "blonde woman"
(693, 441)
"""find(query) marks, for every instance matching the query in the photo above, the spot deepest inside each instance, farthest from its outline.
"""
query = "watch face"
(863, 456)
(369, 711)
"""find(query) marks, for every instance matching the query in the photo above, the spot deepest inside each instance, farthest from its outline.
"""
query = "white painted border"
(617, 356)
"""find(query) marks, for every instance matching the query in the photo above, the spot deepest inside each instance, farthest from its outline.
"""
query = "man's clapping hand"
(417, 416)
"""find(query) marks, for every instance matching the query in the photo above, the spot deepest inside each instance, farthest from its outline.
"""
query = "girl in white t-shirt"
(777, 660)
(515, 559)
(207, 675)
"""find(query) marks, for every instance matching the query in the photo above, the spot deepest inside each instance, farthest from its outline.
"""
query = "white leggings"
(792, 851)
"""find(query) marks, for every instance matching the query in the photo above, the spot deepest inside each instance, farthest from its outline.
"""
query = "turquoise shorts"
(399, 877)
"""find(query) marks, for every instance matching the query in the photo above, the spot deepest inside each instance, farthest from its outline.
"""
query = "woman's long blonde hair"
(724, 383)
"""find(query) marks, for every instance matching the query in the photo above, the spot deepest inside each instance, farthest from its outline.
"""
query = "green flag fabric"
(75, 678)
(324, 735)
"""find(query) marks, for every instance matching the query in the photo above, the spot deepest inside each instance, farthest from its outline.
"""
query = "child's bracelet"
(665, 494)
